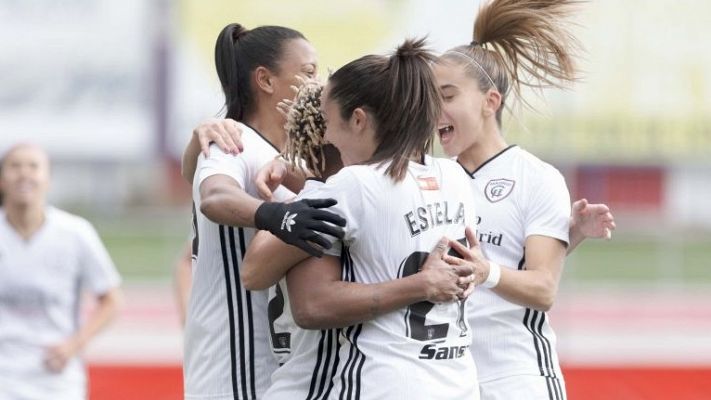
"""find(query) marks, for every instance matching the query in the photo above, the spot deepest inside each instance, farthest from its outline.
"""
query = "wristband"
(494, 276)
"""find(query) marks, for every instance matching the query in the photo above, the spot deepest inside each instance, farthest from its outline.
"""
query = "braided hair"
(305, 128)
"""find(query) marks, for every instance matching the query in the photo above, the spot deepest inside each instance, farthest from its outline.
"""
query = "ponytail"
(520, 43)
(400, 93)
(238, 52)
(231, 72)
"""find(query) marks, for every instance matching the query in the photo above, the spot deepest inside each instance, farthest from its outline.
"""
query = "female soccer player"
(226, 336)
(48, 258)
(380, 113)
(523, 202)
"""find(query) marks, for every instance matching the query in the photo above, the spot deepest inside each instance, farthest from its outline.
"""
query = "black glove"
(297, 223)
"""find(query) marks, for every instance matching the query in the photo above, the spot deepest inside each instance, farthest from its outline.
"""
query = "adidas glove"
(300, 222)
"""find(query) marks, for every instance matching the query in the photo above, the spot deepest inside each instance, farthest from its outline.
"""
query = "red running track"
(109, 382)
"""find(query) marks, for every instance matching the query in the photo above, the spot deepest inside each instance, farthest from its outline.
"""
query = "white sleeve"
(221, 163)
(548, 211)
(345, 188)
(98, 273)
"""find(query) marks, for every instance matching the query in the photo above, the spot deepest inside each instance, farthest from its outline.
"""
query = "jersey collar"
(261, 136)
(471, 174)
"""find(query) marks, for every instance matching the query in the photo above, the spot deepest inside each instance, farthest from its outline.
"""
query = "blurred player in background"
(183, 281)
(523, 202)
(48, 259)
(227, 351)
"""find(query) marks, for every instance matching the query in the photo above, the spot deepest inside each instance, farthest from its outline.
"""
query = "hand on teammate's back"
(225, 133)
(300, 222)
(445, 282)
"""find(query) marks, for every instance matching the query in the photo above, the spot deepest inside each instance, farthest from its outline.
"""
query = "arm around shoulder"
(223, 201)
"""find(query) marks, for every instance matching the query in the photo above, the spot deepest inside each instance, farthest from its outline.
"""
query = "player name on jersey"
(432, 215)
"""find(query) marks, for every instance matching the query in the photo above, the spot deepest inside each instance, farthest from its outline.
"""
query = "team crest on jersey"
(498, 189)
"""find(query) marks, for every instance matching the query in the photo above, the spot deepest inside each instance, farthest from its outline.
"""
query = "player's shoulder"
(442, 162)
(256, 147)
(254, 141)
(448, 167)
(311, 185)
(356, 172)
(533, 168)
(248, 133)
(68, 223)
(354, 179)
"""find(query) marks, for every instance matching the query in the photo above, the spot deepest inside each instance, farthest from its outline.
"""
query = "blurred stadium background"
(112, 88)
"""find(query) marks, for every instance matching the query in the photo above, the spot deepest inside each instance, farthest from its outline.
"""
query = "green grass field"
(631, 258)
(147, 247)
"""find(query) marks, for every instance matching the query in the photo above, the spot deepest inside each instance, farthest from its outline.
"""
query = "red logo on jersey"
(427, 183)
(498, 189)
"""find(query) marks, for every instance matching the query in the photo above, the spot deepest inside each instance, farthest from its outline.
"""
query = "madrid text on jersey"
(488, 237)
(432, 215)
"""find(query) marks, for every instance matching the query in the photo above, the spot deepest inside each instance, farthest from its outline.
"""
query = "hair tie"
(474, 43)
(239, 32)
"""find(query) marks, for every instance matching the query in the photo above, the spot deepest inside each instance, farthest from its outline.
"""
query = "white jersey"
(517, 196)
(281, 321)
(299, 347)
(41, 281)
(227, 353)
(418, 352)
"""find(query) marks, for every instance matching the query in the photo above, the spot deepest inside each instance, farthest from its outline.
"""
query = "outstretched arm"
(589, 221)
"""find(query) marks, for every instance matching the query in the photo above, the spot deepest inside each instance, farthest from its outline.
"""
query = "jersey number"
(280, 340)
(416, 314)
